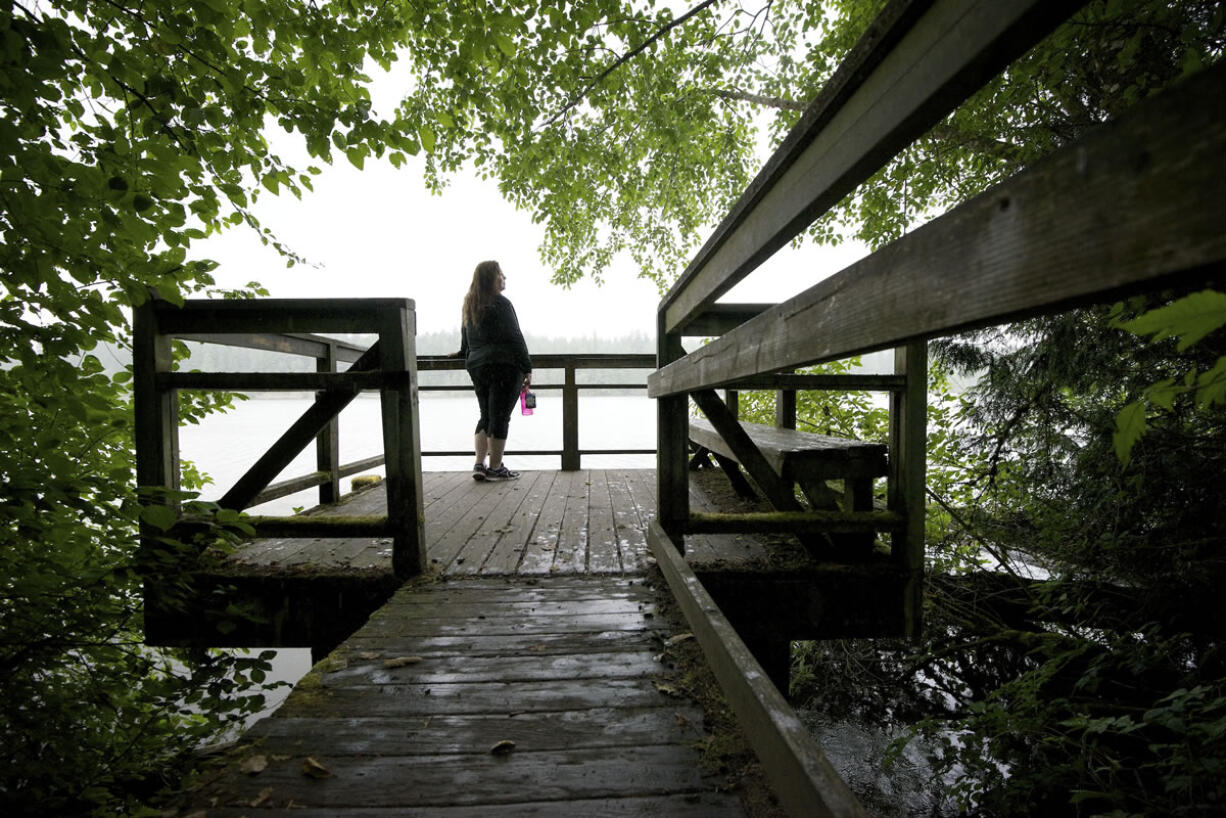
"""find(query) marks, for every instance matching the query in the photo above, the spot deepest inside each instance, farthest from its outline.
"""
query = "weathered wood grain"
(1135, 205)
(603, 550)
(477, 779)
(689, 805)
(484, 623)
(914, 64)
(628, 528)
(469, 734)
(804, 780)
(386, 647)
(433, 669)
(523, 540)
(509, 550)
(503, 510)
(590, 714)
(273, 316)
(539, 549)
(570, 551)
(461, 606)
(794, 455)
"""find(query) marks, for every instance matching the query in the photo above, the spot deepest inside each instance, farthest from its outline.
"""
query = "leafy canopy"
(127, 131)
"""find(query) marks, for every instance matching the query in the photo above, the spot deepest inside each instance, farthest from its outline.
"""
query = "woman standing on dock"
(497, 360)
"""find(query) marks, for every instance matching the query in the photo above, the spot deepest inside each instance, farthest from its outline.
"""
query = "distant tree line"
(220, 358)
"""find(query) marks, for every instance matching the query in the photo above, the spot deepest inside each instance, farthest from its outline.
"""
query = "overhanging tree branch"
(761, 99)
(625, 58)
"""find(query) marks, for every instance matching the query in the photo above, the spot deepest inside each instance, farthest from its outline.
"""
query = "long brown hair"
(481, 292)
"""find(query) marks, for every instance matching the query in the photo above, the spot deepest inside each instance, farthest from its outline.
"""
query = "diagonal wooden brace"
(776, 489)
(300, 435)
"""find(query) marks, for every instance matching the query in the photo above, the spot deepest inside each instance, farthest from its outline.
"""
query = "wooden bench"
(807, 460)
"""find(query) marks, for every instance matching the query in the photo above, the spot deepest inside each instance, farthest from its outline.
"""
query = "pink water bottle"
(527, 402)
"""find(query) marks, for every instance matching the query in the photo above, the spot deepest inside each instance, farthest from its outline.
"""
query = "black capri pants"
(497, 387)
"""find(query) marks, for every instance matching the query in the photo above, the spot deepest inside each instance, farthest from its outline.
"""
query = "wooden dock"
(533, 673)
(592, 521)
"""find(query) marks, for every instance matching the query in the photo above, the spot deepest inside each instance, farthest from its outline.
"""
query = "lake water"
(225, 446)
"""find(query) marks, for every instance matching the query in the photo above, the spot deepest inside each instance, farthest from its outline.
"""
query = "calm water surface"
(224, 446)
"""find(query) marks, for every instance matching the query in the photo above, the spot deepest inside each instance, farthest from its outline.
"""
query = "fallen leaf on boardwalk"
(401, 661)
(369, 654)
(264, 795)
(254, 765)
(314, 769)
(540, 647)
(668, 690)
(503, 747)
(674, 640)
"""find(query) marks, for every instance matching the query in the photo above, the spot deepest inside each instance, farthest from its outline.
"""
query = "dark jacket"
(496, 339)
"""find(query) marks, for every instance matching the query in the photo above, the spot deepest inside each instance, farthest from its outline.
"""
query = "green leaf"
(427, 138)
(1129, 426)
(1190, 319)
(160, 517)
(505, 44)
(1211, 385)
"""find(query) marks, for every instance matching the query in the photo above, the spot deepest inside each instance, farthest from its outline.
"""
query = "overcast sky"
(378, 233)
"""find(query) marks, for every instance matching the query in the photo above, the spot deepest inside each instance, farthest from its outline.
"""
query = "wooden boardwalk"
(531, 675)
(592, 521)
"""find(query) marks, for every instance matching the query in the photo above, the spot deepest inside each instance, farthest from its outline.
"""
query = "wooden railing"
(1134, 206)
(570, 365)
(329, 353)
(389, 365)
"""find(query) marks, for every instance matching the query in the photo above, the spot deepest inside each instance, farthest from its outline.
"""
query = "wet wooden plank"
(488, 623)
(509, 550)
(709, 549)
(539, 550)
(501, 644)
(689, 805)
(434, 669)
(555, 509)
(482, 779)
(454, 735)
(531, 589)
(603, 552)
(641, 484)
(628, 528)
(806, 782)
(453, 528)
(464, 607)
(499, 522)
(570, 552)
(572, 669)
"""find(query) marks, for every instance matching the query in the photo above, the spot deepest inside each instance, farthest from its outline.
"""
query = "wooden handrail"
(348, 384)
(388, 365)
(915, 63)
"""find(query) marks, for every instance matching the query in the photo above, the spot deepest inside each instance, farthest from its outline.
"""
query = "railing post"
(908, 467)
(732, 399)
(785, 409)
(672, 445)
(570, 420)
(327, 444)
(156, 421)
(402, 440)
